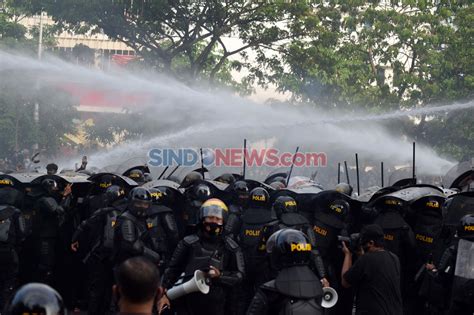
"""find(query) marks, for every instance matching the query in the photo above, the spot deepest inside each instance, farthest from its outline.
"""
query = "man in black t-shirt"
(375, 275)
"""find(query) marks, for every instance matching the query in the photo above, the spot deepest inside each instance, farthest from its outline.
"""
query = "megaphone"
(197, 283)
(329, 298)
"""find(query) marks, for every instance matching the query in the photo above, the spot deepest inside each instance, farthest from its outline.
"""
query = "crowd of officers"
(261, 254)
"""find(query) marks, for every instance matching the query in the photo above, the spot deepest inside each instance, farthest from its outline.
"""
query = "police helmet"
(241, 189)
(137, 176)
(226, 178)
(277, 185)
(50, 185)
(465, 229)
(36, 298)
(139, 201)
(147, 177)
(284, 204)
(289, 247)
(259, 197)
(159, 195)
(106, 181)
(114, 193)
(338, 207)
(202, 192)
(213, 208)
(279, 179)
(344, 188)
(191, 178)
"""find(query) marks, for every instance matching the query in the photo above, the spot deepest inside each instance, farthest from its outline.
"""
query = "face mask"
(213, 229)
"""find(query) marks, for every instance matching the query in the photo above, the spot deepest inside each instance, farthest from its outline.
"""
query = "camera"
(352, 241)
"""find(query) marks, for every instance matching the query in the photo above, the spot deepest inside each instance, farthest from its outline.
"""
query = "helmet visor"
(213, 211)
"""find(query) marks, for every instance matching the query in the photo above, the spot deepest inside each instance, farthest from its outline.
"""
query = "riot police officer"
(296, 289)
(238, 203)
(51, 207)
(12, 233)
(209, 251)
(97, 199)
(286, 210)
(36, 298)
(98, 230)
(400, 240)
(457, 276)
(258, 222)
(195, 196)
(131, 235)
(162, 225)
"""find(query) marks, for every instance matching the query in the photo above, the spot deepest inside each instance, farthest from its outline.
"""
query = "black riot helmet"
(36, 298)
(106, 181)
(465, 229)
(137, 176)
(340, 208)
(147, 177)
(202, 192)
(284, 204)
(191, 178)
(226, 178)
(278, 179)
(259, 198)
(159, 195)
(51, 169)
(289, 247)
(114, 193)
(344, 188)
(139, 201)
(50, 185)
(277, 185)
(241, 191)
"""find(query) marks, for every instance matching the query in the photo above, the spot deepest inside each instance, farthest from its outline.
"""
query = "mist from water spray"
(220, 119)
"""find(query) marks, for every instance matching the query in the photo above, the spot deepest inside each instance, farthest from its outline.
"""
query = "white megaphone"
(197, 283)
(329, 297)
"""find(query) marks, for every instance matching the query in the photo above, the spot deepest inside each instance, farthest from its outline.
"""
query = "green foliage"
(18, 130)
(351, 46)
(19, 93)
(187, 39)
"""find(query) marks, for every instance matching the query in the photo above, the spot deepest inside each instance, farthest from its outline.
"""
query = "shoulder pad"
(191, 239)
(231, 244)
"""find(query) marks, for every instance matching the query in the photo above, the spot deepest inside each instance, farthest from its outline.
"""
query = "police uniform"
(196, 252)
(12, 232)
(163, 231)
(296, 289)
(99, 231)
(49, 216)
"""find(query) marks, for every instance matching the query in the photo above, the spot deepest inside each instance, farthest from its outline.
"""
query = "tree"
(18, 97)
(184, 38)
(18, 128)
(352, 46)
(385, 55)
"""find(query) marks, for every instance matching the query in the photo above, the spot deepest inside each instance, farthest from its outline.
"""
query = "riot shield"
(465, 260)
